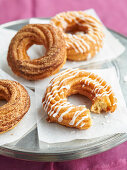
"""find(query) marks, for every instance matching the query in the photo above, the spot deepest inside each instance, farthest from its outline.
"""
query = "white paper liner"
(5, 37)
(112, 48)
(102, 124)
(27, 123)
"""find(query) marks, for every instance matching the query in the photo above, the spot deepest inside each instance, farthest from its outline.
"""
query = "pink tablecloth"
(115, 159)
(114, 15)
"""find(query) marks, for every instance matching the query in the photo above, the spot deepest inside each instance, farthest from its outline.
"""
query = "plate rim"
(57, 156)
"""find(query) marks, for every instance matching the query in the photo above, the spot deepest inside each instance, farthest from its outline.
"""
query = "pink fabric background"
(112, 12)
(114, 15)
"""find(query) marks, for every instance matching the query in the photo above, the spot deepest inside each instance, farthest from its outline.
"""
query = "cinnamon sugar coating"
(18, 103)
(40, 34)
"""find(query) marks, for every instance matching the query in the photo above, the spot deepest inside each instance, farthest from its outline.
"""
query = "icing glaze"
(79, 41)
(59, 107)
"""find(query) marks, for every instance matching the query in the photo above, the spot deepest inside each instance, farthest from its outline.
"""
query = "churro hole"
(78, 99)
(36, 51)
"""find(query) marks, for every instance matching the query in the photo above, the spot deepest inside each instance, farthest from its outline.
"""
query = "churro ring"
(18, 103)
(83, 34)
(73, 81)
(41, 34)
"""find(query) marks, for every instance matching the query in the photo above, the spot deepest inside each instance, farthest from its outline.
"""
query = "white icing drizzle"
(68, 71)
(77, 43)
(62, 21)
(50, 111)
(82, 124)
(70, 44)
(90, 38)
(65, 104)
(67, 111)
(50, 97)
(99, 84)
(95, 30)
(77, 113)
(70, 16)
(83, 41)
(83, 118)
(61, 107)
(89, 56)
(70, 76)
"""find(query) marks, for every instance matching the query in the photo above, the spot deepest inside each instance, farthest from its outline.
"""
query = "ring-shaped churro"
(40, 34)
(73, 81)
(82, 32)
(18, 103)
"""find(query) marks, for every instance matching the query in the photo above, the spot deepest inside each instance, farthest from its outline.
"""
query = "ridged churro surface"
(82, 32)
(76, 81)
(18, 103)
(40, 34)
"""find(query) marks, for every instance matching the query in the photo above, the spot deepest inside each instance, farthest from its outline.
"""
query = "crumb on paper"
(125, 78)
(107, 121)
(103, 123)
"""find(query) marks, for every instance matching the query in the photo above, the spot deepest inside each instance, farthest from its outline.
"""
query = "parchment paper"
(102, 124)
